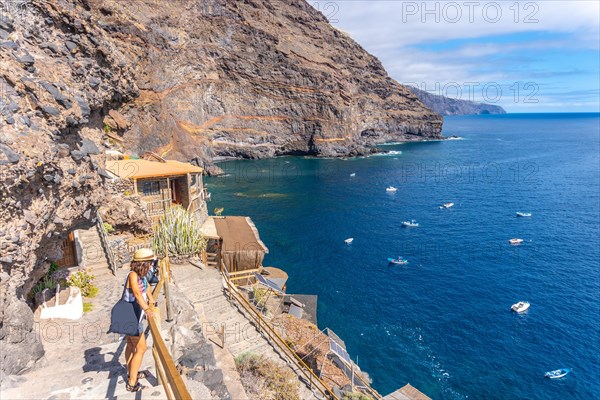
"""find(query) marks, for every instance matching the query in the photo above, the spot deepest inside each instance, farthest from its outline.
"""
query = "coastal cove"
(443, 322)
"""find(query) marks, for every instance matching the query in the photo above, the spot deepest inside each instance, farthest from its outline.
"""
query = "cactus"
(179, 232)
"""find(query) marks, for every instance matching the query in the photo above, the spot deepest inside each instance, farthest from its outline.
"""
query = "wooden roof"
(138, 169)
(239, 234)
(407, 392)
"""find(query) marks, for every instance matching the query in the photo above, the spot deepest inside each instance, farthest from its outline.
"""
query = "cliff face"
(190, 79)
(449, 106)
(254, 79)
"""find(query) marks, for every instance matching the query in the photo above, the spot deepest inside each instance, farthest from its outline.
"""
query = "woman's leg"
(128, 351)
(136, 360)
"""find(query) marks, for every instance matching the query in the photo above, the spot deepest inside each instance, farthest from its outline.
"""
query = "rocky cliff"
(190, 79)
(449, 106)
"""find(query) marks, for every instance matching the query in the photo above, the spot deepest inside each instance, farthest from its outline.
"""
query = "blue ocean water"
(443, 322)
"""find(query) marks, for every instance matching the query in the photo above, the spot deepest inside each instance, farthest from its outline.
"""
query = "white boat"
(523, 214)
(559, 373)
(349, 240)
(412, 223)
(397, 261)
(390, 189)
(515, 242)
(447, 205)
(520, 307)
(353, 174)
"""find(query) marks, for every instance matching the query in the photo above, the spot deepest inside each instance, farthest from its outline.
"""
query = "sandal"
(135, 388)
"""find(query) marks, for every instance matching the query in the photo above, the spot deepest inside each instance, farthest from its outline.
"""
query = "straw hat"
(143, 255)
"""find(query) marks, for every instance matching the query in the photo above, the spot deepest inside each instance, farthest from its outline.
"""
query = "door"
(69, 258)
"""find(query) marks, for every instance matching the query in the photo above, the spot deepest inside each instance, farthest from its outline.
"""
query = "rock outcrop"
(448, 106)
(51, 176)
(189, 79)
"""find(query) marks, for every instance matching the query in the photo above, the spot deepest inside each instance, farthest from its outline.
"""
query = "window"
(150, 188)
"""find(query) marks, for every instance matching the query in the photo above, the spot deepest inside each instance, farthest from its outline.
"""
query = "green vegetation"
(265, 379)
(87, 307)
(107, 129)
(260, 296)
(84, 281)
(45, 283)
(356, 396)
(49, 280)
(108, 228)
(128, 193)
(179, 232)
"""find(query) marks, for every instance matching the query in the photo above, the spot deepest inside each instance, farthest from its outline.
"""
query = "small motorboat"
(390, 189)
(411, 224)
(520, 307)
(515, 242)
(349, 240)
(447, 205)
(559, 373)
(353, 174)
(523, 214)
(398, 261)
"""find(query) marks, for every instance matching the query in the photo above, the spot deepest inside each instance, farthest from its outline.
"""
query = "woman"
(138, 293)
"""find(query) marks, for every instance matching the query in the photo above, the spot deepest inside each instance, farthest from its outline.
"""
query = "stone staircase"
(204, 288)
(93, 254)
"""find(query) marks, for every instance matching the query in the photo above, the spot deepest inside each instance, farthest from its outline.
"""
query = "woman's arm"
(150, 297)
(133, 284)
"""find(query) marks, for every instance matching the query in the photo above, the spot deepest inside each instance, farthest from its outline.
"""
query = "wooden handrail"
(165, 366)
(105, 244)
(168, 374)
(263, 326)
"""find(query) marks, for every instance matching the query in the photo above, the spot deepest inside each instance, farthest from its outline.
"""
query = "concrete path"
(204, 288)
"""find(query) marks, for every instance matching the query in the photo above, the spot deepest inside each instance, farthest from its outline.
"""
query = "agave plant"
(179, 232)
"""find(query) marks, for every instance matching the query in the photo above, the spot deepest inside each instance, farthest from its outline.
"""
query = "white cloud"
(375, 23)
(488, 42)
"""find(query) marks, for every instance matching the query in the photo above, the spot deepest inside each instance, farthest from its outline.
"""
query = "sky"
(526, 56)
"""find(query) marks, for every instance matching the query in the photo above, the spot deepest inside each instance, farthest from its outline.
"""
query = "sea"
(443, 322)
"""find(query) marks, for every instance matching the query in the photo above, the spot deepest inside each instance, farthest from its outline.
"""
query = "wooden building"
(163, 183)
(236, 246)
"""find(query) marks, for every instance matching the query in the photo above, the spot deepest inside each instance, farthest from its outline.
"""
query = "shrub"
(45, 283)
(87, 307)
(179, 232)
(265, 379)
(107, 128)
(356, 396)
(84, 281)
(108, 228)
(260, 296)
(54, 276)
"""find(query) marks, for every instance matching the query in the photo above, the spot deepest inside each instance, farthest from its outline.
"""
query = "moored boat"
(349, 240)
(515, 242)
(559, 373)
(397, 261)
(390, 189)
(523, 214)
(411, 224)
(353, 174)
(520, 307)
